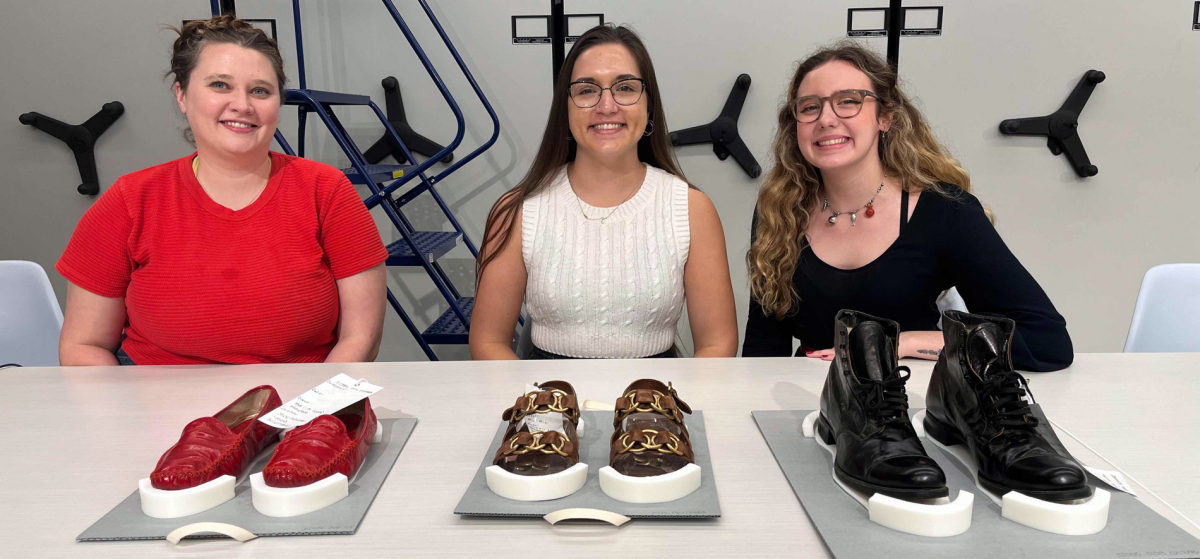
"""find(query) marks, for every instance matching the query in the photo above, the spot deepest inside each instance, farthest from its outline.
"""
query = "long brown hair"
(908, 151)
(556, 150)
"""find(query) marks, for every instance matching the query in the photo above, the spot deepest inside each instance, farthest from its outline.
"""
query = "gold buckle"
(538, 445)
(558, 405)
(655, 406)
(670, 447)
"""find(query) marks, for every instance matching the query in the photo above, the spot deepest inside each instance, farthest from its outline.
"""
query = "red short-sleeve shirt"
(206, 284)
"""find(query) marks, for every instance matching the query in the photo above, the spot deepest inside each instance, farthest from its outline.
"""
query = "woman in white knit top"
(604, 240)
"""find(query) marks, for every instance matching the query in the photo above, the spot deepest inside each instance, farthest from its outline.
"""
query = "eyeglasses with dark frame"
(846, 104)
(624, 92)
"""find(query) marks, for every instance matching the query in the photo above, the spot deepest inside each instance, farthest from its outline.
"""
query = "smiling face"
(832, 142)
(607, 130)
(232, 101)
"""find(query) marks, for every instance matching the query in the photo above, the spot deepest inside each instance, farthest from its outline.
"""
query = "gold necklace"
(579, 202)
(196, 172)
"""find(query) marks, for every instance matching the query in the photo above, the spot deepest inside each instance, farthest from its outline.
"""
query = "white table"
(76, 440)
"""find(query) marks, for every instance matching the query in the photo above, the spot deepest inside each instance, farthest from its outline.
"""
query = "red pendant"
(870, 211)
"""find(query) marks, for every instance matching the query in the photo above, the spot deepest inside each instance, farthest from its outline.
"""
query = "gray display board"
(702, 503)
(1133, 529)
(126, 521)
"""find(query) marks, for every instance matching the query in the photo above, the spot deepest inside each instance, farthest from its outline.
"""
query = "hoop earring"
(649, 128)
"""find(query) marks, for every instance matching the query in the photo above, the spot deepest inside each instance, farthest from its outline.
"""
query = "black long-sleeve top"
(947, 242)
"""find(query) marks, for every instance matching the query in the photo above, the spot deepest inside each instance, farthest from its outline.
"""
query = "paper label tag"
(545, 422)
(331, 396)
(1114, 479)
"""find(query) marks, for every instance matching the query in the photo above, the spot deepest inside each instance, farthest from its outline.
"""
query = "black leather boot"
(864, 411)
(975, 398)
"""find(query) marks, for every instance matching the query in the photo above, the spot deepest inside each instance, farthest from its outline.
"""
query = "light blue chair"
(30, 319)
(1167, 316)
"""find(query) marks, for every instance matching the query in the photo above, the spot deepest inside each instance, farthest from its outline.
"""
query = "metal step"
(379, 173)
(308, 96)
(431, 245)
(448, 329)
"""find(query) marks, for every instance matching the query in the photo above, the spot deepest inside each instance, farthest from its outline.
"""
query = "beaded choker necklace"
(853, 214)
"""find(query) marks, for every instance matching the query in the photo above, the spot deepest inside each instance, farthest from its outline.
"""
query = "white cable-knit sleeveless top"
(611, 289)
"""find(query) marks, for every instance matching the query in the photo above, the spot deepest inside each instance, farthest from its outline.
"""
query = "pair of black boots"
(975, 398)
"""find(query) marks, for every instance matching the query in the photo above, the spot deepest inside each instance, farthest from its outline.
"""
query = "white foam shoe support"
(1075, 518)
(536, 488)
(651, 489)
(938, 518)
(283, 502)
(164, 503)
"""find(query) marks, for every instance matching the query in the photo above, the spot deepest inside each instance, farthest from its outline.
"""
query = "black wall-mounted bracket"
(81, 139)
(723, 132)
(395, 114)
(1061, 126)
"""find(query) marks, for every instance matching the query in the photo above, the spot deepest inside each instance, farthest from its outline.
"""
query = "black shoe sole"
(908, 494)
(824, 431)
(949, 436)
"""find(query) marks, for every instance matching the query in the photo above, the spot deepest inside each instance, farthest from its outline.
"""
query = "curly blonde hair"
(908, 152)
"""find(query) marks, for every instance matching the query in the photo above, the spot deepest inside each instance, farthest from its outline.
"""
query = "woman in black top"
(864, 210)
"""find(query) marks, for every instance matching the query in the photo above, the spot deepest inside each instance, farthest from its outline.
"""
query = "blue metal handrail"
(475, 86)
(372, 201)
(299, 42)
(346, 143)
(437, 80)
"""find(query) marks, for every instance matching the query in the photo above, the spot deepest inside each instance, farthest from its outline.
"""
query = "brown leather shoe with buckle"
(541, 438)
(649, 436)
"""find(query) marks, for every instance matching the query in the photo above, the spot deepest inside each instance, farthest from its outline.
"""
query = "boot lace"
(1002, 398)
(886, 401)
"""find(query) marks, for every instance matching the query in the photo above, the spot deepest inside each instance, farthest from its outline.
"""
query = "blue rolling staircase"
(394, 186)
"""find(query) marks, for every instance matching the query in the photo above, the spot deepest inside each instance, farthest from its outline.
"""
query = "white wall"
(1087, 241)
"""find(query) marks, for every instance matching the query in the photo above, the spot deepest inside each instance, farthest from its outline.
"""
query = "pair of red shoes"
(226, 444)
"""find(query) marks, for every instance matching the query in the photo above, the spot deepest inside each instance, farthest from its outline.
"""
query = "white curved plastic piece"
(536, 488)
(939, 518)
(236, 532)
(651, 489)
(283, 502)
(593, 405)
(809, 426)
(1077, 518)
(943, 518)
(586, 514)
(1087, 517)
(164, 503)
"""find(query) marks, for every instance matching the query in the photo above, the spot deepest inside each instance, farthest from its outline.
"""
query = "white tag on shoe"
(1113, 479)
(331, 396)
(544, 422)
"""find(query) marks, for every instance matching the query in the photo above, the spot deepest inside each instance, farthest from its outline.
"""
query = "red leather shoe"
(327, 445)
(224, 444)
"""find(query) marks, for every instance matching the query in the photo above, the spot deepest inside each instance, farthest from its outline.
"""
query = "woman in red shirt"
(234, 254)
